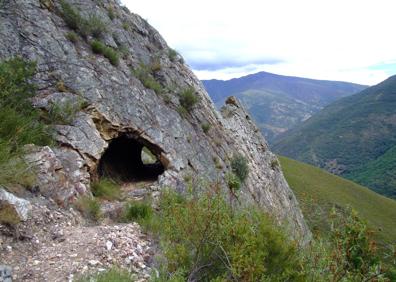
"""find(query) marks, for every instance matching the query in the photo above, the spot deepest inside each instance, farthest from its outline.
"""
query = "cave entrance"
(129, 160)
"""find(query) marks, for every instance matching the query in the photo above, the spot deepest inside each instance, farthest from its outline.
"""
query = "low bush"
(100, 48)
(233, 182)
(64, 112)
(172, 54)
(95, 26)
(205, 127)
(188, 98)
(110, 12)
(203, 238)
(274, 164)
(20, 122)
(89, 207)
(240, 167)
(71, 16)
(145, 77)
(106, 189)
(72, 36)
(349, 254)
(137, 211)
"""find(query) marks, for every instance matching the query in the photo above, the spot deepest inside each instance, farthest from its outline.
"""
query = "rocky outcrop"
(13, 209)
(266, 185)
(114, 101)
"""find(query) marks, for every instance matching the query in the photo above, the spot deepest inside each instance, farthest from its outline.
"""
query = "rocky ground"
(55, 244)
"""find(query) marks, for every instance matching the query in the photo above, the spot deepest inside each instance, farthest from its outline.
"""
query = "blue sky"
(346, 40)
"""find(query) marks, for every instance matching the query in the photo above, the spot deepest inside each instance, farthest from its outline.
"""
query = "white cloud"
(335, 39)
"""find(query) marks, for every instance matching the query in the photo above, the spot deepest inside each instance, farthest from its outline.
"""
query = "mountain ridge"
(277, 102)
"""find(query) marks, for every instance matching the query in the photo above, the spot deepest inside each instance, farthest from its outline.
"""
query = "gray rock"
(120, 105)
(13, 209)
(5, 273)
(61, 183)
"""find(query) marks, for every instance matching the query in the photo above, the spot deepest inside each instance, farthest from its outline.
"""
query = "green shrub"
(20, 122)
(64, 112)
(60, 86)
(155, 66)
(112, 55)
(145, 77)
(72, 36)
(182, 111)
(172, 54)
(188, 98)
(106, 189)
(349, 254)
(96, 27)
(240, 167)
(89, 207)
(274, 164)
(111, 13)
(92, 26)
(233, 181)
(112, 275)
(137, 211)
(100, 48)
(205, 127)
(71, 16)
(203, 238)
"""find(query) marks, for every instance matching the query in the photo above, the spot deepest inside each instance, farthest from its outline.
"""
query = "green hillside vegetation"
(318, 191)
(353, 137)
(379, 173)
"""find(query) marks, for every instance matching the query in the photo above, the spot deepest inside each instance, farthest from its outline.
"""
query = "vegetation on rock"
(100, 48)
(20, 122)
(89, 207)
(240, 167)
(188, 98)
(106, 189)
(93, 26)
(146, 78)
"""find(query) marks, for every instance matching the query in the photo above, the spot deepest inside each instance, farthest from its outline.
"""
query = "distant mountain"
(318, 191)
(354, 137)
(279, 103)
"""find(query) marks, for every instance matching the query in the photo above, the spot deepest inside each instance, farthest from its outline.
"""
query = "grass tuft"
(89, 207)
(106, 189)
(137, 211)
(112, 275)
(240, 167)
(100, 48)
(188, 98)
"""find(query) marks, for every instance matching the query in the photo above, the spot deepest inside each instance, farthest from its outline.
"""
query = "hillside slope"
(318, 191)
(276, 102)
(351, 137)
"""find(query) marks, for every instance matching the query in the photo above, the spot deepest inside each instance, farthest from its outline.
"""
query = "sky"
(346, 40)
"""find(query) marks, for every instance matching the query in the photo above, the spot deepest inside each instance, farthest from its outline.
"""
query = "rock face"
(120, 103)
(13, 209)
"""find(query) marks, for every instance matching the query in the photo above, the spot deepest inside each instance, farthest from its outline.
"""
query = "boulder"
(5, 273)
(13, 209)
